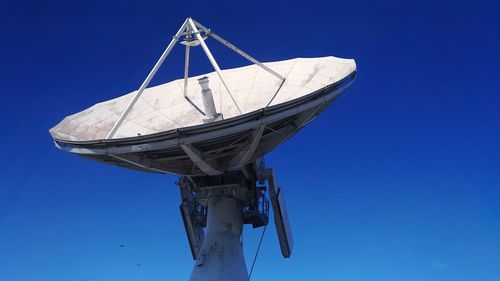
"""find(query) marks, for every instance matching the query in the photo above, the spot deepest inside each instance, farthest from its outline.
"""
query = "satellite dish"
(213, 130)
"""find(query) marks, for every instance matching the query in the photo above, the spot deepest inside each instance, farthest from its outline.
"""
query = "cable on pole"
(257, 253)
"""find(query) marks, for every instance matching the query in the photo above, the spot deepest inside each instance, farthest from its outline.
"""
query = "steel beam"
(139, 165)
(146, 82)
(246, 153)
(239, 51)
(208, 167)
(212, 61)
(186, 71)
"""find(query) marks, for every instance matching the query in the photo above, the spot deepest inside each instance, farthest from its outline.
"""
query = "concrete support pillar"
(221, 255)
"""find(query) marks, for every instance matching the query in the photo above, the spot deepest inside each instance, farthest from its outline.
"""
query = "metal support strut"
(192, 28)
(146, 82)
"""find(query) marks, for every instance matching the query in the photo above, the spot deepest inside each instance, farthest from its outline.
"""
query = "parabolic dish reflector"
(213, 130)
(165, 132)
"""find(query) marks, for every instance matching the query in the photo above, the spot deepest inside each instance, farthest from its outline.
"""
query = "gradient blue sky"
(397, 180)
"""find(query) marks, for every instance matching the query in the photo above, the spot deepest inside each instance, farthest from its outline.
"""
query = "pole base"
(221, 254)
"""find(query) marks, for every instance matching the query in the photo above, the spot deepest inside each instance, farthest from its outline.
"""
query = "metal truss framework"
(195, 34)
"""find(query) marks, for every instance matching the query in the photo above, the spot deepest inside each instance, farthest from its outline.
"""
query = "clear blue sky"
(397, 180)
